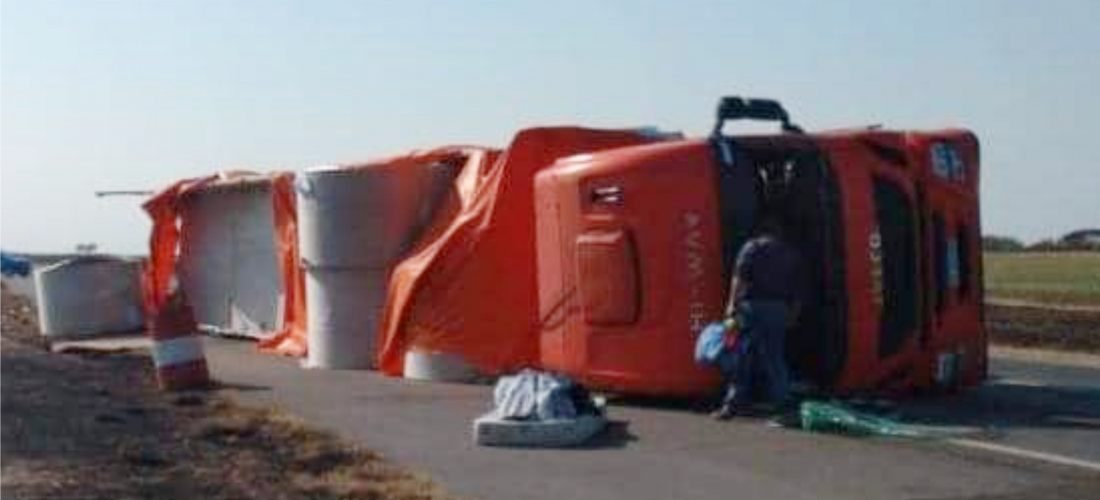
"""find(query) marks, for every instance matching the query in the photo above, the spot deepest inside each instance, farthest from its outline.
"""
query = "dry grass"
(94, 426)
(315, 463)
(1047, 277)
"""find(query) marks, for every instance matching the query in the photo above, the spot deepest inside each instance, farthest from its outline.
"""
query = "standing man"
(765, 298)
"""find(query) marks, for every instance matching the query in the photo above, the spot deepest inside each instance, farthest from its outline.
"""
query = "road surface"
(669, 452)
(1041, 439)
(1041, 407)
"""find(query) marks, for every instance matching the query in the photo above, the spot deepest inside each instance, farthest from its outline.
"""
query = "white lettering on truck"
(874, 246)
(695, 270)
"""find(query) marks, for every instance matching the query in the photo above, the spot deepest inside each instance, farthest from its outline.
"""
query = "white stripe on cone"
(177, 351)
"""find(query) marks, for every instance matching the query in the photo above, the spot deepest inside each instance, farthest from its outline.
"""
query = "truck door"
(879, 205)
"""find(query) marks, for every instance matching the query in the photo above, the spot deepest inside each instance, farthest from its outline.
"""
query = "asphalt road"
(1041, 407)
(670, 452)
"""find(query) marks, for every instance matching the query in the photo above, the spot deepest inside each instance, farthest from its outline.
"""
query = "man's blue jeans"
(762, 363)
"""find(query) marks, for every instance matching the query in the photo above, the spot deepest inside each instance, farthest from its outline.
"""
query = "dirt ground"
(1045, 328)
(88, 425)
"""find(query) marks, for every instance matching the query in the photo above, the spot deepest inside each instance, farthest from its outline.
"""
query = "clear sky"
(134, 95)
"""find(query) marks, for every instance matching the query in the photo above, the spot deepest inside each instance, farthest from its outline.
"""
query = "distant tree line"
(994, 243)
(1080, 240)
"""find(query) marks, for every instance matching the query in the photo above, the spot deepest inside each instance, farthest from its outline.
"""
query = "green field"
(1054, 277)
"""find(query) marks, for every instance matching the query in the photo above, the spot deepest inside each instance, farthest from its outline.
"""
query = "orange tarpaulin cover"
(164, 243)
(291, 338)
(164, 209)
(469, 285)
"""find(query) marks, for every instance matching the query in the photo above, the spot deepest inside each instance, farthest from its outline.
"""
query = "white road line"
(1075, 420)
(1019, 382)
(1028, 454)
(1035, 384)
(1059, 358)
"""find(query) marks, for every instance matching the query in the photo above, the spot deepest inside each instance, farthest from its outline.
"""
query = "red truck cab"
(635, 249)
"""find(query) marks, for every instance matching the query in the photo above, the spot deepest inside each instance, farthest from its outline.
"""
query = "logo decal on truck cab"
(947, 162)
(694, 270)
(874, 247)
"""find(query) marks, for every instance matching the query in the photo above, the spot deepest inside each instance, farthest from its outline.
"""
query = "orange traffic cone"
(177, 347)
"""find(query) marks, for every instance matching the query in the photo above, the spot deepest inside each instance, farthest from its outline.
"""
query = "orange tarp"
(469, 285)
(164, 243)
(164, 209)
(291, 338)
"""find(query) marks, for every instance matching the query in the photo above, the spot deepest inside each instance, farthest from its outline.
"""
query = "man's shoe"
(726, 412)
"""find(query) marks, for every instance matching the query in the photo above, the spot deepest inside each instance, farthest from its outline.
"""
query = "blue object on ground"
(13, 265)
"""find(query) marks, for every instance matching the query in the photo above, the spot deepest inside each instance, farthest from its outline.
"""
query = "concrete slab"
(492, 430)
(104, 344)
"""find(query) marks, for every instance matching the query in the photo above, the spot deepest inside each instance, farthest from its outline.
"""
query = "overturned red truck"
(635, 248)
